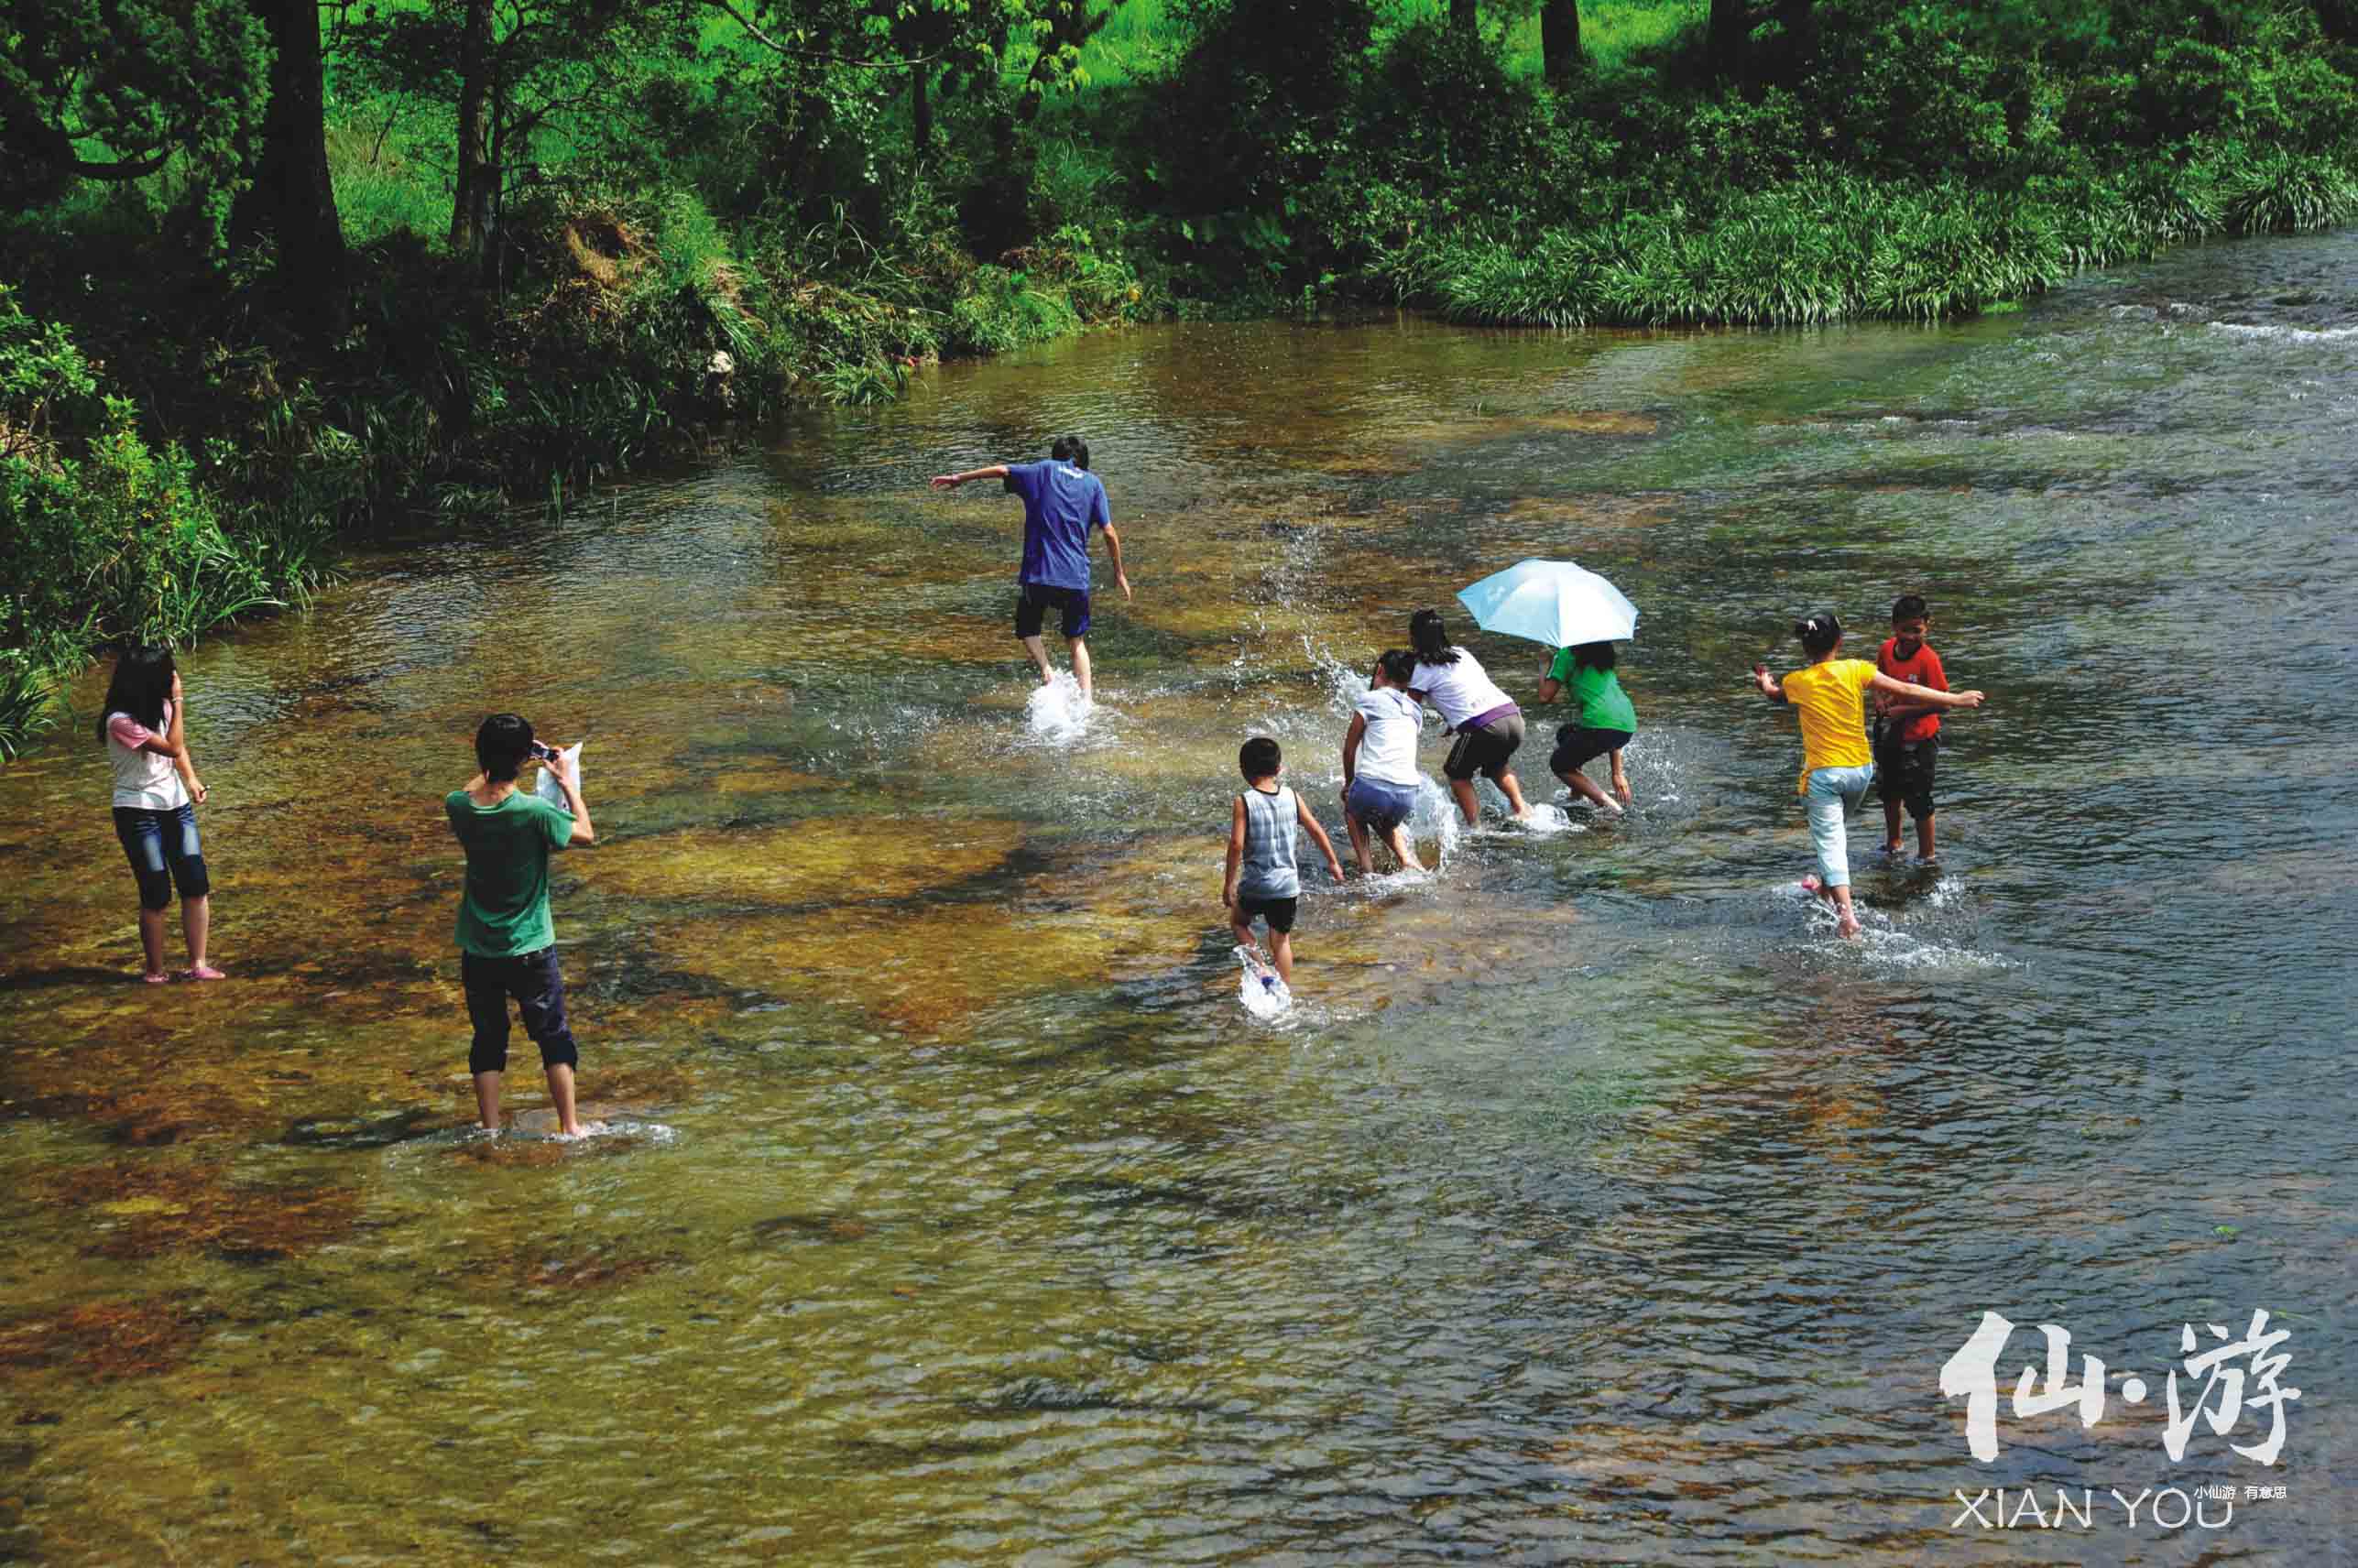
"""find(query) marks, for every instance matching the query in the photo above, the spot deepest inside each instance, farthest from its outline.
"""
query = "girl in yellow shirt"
(1837, 762)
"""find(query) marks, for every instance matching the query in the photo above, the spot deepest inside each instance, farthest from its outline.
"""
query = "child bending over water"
(156, 792)
(1488, 723)
(1263, 880)
(1380, 775)
(1837, 763)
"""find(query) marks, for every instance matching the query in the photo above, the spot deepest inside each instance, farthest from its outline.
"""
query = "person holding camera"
(507, 946)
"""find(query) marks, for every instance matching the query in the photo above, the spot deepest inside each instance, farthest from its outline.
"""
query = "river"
(1594, 1202)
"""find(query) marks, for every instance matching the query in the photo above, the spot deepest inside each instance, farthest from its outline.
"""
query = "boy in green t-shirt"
(507, 944)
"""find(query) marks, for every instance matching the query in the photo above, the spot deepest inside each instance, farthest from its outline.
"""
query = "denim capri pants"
(1834, 794)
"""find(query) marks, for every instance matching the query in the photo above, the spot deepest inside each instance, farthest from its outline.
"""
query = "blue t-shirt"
(1061, 505)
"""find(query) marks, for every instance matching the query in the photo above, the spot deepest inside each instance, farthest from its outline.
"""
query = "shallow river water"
(1593, 1204)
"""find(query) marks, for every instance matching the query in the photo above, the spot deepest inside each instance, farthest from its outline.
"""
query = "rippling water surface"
(1593, 1204)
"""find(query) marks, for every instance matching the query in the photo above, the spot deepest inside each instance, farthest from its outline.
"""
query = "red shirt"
(1922, 669)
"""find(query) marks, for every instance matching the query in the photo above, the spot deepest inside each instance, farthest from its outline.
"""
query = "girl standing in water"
(156, 792)
(1488, 723)
(1837, 763)
(1604, 724)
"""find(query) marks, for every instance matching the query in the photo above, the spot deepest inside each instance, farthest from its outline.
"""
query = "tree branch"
(763, 38)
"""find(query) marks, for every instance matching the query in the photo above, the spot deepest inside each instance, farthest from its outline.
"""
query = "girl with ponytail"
(1837, 762)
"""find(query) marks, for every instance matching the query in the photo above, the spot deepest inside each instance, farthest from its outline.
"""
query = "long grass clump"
(1836, 246)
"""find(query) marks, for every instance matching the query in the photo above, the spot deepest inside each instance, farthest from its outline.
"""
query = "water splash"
(1264, 996)
(1057, 713)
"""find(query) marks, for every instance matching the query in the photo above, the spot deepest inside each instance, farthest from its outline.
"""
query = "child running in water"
(1907, 735)
(1605, 723)
(1380, 775)
(1836, 764)
(156, 792)
(1263, 880)
(1488, 723)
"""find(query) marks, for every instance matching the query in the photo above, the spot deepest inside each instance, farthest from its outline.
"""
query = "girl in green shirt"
(1606, 721)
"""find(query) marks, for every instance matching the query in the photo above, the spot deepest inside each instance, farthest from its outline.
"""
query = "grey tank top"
(1270, 825)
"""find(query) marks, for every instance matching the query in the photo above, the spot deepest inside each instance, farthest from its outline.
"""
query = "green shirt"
(505, 910)
(1603, 705)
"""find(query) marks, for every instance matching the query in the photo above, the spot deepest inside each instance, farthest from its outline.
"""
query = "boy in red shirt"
(1907, 735)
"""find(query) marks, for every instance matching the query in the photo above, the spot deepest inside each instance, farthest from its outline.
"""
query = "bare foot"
(156, 979)
(202, 972)
(1847, 926)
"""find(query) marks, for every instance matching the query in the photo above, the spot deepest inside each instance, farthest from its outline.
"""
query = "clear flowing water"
(1592, 1203)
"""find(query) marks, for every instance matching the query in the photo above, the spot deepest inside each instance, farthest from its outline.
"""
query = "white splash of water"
(1264, 996)
(1057, 713)
(2287, 334)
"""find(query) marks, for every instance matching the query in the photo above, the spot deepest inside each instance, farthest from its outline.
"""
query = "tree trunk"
(1731, 30)
(292, 199)
(471, 203)
(1463, 20)
(920, 110)
(1559, 39)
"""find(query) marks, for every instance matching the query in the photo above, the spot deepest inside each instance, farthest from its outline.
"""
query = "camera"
(545, 752)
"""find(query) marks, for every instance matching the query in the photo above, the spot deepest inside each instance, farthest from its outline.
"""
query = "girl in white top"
(1380, 777)
(156, 791)
(1488, 723)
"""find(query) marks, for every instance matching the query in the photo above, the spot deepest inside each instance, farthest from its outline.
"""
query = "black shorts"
(1278, 912)
(1903, 773)
(1575, 746)
(539, 989)
(1034, 600)
(1484, 750)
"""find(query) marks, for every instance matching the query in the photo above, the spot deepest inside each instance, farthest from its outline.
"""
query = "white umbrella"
(1551, 602)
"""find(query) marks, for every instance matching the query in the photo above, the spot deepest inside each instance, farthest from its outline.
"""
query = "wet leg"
(1358, 831)
(1039, 653)
(561, 1094)
(151, 941)
(1402, 849)
(1513, 789)
(1892, 844)
(1845, 921)
(196, 923)
(1580, 784)
(1080, 666)
(1470, 807)
(1280, 951)
(486, 1100)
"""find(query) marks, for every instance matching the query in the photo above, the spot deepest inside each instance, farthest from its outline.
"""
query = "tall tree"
(97, 90)
(1463, 17)
(1725, 35)
(291, 201)
(1559, 39)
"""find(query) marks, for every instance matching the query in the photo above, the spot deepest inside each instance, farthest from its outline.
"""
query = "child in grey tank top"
(1262, 881)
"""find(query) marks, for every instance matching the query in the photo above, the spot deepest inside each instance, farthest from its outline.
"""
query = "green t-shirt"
(1603, 705)
(505, 910)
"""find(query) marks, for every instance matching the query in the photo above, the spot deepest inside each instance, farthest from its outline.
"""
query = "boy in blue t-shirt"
(1062, 502)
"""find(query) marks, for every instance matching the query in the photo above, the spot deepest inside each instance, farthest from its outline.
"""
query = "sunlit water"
(1590, 1202)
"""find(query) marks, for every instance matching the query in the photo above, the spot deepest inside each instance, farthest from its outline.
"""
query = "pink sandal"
(155, 979)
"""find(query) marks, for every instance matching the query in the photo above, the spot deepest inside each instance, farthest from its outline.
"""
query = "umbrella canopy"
(1552, 602)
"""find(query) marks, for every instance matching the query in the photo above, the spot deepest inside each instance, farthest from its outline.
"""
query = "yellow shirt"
(1833, 723)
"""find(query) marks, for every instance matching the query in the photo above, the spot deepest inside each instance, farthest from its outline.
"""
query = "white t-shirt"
(1388, 748)
(1459, 689)
(142, 777)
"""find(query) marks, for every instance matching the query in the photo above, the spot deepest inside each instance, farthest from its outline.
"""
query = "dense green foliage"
(582, 231)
